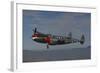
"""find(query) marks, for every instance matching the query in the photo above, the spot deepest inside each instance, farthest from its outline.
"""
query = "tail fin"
(82, 40)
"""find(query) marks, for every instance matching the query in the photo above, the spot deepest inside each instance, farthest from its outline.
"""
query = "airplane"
(54, 39)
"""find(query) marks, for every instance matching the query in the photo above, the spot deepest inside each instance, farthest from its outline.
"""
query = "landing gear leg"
(47, 46)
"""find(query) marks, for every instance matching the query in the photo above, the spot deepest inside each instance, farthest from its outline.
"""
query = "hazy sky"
(55, 23)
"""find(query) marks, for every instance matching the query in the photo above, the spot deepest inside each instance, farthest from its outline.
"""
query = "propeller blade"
(35, 30)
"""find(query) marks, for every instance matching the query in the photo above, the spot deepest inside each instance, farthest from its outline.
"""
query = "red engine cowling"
(47, 39)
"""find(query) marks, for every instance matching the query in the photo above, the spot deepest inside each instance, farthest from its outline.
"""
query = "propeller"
(35, 30)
